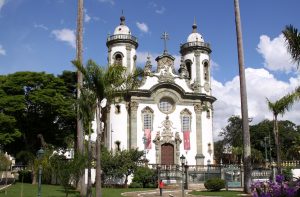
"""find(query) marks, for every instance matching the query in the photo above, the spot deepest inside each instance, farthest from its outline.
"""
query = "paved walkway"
(166, 193)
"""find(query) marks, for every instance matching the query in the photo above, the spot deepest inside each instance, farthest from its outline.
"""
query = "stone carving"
(157, 137)
(177, 137)
(196, 86)
(183, 70)
(198, 108)
(167, 134)
(134, 105)
(148, 67)
(165, 77)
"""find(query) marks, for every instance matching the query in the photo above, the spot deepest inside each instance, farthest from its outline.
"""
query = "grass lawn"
(30, 190)
(220, 193)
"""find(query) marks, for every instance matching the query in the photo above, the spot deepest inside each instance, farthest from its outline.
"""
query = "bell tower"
(196, 56)
(122, 47)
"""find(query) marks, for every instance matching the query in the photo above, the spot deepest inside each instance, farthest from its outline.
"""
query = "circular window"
(166, 105)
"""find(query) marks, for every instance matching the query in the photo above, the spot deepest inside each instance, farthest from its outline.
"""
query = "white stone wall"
(119, 127)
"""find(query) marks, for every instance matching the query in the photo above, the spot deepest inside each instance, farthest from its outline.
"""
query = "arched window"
(188, 64)
(206, 70)
(185, 120)
(117, 109)
(118, 57)
(208, 113)
(147, 118)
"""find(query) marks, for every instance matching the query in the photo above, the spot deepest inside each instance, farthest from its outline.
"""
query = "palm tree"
(281, 106)
(80, 142)
(87, 109)
(105, 84)
(292, 37)
(244, 105)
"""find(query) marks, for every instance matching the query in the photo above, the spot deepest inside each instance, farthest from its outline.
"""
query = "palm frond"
(284, 104)
(292, 37)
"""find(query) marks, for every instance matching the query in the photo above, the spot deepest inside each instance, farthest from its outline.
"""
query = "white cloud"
(112, 2)
(87, 18)
(65, 35)
(158, 10)
(161, 10)
(261, 84)
(41, 26)
(275, 54)
(2, 2)
(142, 27)
(2, 50)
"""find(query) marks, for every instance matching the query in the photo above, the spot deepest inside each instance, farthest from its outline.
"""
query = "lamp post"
(182, 159)
(40, 154)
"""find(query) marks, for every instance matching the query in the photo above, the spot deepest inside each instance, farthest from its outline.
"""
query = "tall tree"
(292, 37)
(35, 104)
(105, 84)
(87, 109)
(281, 106)
(80, 135)
(244, 105)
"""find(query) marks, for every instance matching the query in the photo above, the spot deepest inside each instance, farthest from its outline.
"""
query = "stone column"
(128, 55)
(109, 56)
(199, 156)
(108, 142)
(133, 127)
(198, 78)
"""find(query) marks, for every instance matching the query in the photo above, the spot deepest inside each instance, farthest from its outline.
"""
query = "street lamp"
(40, 154)
(182, 159)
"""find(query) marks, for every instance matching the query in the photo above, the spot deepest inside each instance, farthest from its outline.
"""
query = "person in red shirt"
(161, 186)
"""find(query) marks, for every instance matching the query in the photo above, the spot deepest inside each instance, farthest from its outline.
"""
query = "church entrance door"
(167, 154)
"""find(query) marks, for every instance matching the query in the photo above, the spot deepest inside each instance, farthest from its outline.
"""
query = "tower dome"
(195, 36)
(122, 28)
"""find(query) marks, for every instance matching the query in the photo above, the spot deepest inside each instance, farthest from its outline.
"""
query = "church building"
(171, 113)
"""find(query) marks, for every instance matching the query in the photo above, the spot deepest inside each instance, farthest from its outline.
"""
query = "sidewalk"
(166, 193)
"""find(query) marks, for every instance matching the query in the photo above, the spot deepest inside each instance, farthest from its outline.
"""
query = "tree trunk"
(244, 105)
(277, 144)
(98, 151)
(89, 185)
(80, 135)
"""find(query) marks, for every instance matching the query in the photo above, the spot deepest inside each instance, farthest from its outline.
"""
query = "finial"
(194, 26)
(148, 57)
(122, 18)
(165, 37)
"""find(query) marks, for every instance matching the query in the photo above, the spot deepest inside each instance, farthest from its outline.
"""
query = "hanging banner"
(186, 140)
(148, 138)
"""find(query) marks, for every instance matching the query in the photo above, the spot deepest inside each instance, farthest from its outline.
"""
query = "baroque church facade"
(170, 113)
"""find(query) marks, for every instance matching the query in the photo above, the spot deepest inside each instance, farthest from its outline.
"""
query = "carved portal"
(165, 141)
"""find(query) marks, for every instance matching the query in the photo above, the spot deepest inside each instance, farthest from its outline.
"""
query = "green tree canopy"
(35, 104)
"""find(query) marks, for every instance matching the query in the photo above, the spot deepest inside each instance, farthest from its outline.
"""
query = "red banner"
(186, 140)
(148, 138)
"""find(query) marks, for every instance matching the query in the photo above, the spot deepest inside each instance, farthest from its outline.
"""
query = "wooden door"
(167, 154)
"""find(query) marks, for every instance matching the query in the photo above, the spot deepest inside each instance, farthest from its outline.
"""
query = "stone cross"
(165, 37)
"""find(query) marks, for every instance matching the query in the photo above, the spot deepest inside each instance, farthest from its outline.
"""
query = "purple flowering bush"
(277, 188)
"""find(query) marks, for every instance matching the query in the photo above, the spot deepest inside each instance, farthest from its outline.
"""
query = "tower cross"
(165, 37)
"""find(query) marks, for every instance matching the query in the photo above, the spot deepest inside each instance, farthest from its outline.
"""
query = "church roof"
(195, 36)
(122, 28)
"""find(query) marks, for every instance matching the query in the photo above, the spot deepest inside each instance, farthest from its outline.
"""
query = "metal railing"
(121, 37)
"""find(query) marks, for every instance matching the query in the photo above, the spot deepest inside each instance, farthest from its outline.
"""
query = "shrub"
(214, 184)
(135, 185)
(25, 176)
(287, 173)
(145, 176)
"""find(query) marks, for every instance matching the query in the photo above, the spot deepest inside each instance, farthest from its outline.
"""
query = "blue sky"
(38, 35)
